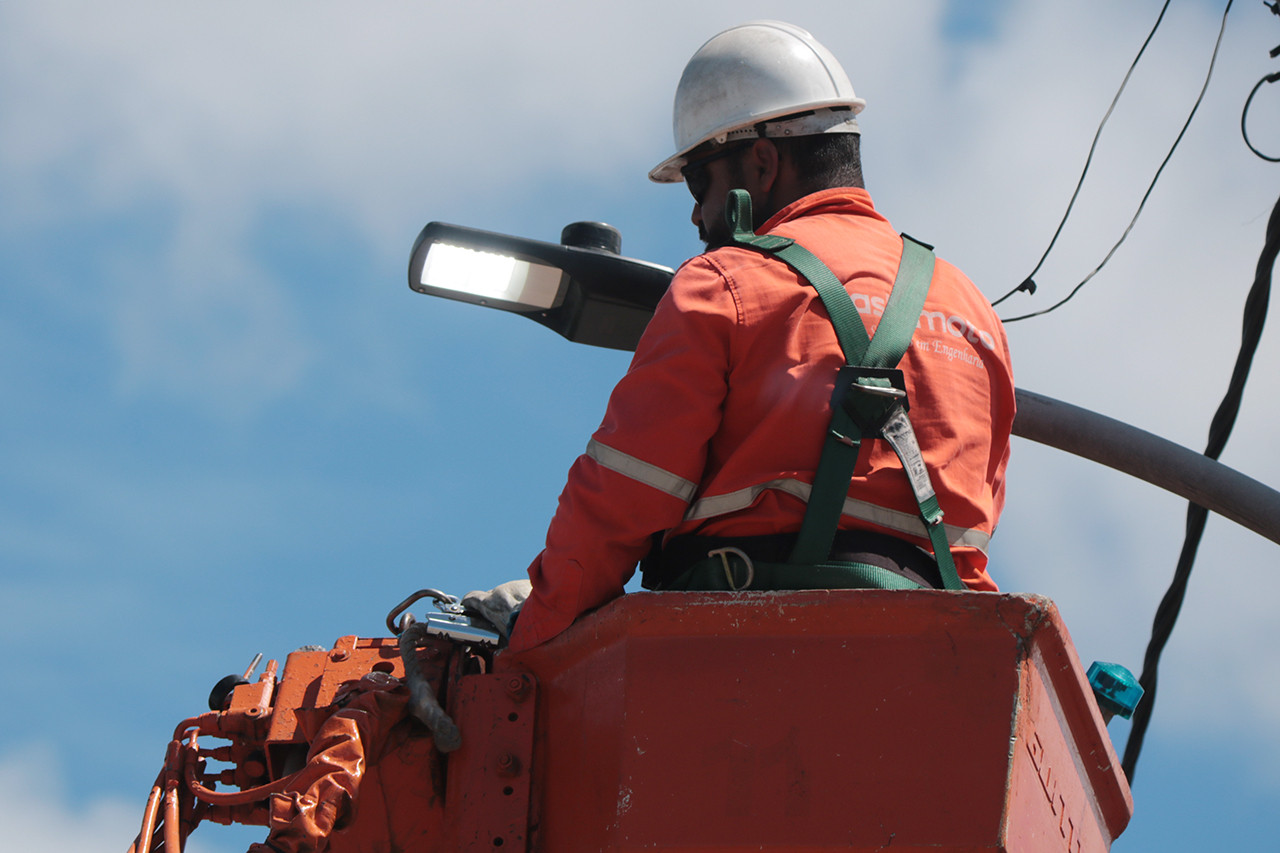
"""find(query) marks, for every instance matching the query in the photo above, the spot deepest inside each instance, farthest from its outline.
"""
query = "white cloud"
(213, 117)
(40, 813)
(202, 319)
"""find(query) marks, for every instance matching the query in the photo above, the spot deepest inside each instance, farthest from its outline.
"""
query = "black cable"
(1028, 284)
(1270, 78)
(1255, 314)
(1196, 106)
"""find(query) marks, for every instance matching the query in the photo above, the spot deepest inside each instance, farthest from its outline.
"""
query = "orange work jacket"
(717, 427)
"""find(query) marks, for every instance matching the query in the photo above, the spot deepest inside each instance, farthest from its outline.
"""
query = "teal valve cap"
(1115, 687)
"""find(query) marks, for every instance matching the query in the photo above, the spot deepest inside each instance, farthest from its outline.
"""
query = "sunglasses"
(696, 176)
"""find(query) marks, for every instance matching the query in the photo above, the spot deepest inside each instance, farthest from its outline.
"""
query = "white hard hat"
(750, 74)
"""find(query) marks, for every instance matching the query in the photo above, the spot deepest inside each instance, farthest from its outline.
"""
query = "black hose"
(422, 699)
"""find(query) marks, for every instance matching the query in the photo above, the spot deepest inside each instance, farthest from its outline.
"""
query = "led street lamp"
(582, 289)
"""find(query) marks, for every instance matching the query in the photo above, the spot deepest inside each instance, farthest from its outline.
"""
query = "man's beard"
(716, 241)
(721, 236)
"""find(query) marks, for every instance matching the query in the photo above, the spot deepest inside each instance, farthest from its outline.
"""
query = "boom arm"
(1138, 453)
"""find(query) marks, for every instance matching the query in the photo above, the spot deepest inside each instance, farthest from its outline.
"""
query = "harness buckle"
(881, 391)
(723, 554)
(870, 395)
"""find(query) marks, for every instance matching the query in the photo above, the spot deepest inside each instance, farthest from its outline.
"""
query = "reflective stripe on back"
(641, 471)
(891, 519)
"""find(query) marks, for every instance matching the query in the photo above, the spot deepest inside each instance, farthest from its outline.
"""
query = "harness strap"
(869, 397)
(732, 573)
(902, 438)
(844, 314)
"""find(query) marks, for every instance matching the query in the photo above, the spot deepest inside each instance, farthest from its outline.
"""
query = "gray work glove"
(499, 605)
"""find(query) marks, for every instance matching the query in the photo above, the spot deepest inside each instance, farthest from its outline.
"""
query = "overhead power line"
(1028, 283)
(1270, 78)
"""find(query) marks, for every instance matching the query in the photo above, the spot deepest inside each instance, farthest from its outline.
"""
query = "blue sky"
(230, 427)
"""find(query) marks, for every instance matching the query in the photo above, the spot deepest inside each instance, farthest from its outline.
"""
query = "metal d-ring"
(723, 554)
(447, 603)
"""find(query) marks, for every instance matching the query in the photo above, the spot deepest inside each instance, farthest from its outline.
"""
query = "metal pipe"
(1148, 457)
(150, 813)
(172, 822)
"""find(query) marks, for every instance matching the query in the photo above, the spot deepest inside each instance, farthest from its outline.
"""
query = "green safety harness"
(869, 401)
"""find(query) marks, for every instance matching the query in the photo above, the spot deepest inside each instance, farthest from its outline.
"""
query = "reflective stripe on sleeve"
(891, 519)
(641, 471)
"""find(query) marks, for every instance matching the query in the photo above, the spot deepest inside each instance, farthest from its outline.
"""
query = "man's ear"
(763, 163)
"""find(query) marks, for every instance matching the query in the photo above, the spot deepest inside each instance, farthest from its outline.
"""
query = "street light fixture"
(582, 288)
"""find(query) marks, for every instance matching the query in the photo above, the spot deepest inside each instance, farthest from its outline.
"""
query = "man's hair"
(825, 160)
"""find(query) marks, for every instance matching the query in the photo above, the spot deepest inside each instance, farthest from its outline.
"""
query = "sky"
(229, 427)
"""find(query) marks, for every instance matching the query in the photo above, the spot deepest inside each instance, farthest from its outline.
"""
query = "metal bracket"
(487, 799)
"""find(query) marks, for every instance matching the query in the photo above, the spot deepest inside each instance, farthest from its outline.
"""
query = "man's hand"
(498, 606)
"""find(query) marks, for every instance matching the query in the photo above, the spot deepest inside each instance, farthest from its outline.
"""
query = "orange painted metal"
(326, 758)
(487, 804)
(798, 721)
(824, 720)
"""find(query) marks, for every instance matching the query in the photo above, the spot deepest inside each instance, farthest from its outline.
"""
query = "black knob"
(592, 235)
(222, 691)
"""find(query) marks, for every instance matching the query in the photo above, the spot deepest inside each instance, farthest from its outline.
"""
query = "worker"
(707, 461)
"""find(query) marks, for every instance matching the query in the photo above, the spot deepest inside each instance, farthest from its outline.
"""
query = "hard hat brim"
(813, 119)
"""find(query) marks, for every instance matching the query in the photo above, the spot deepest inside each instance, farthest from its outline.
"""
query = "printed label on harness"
(902, 438)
